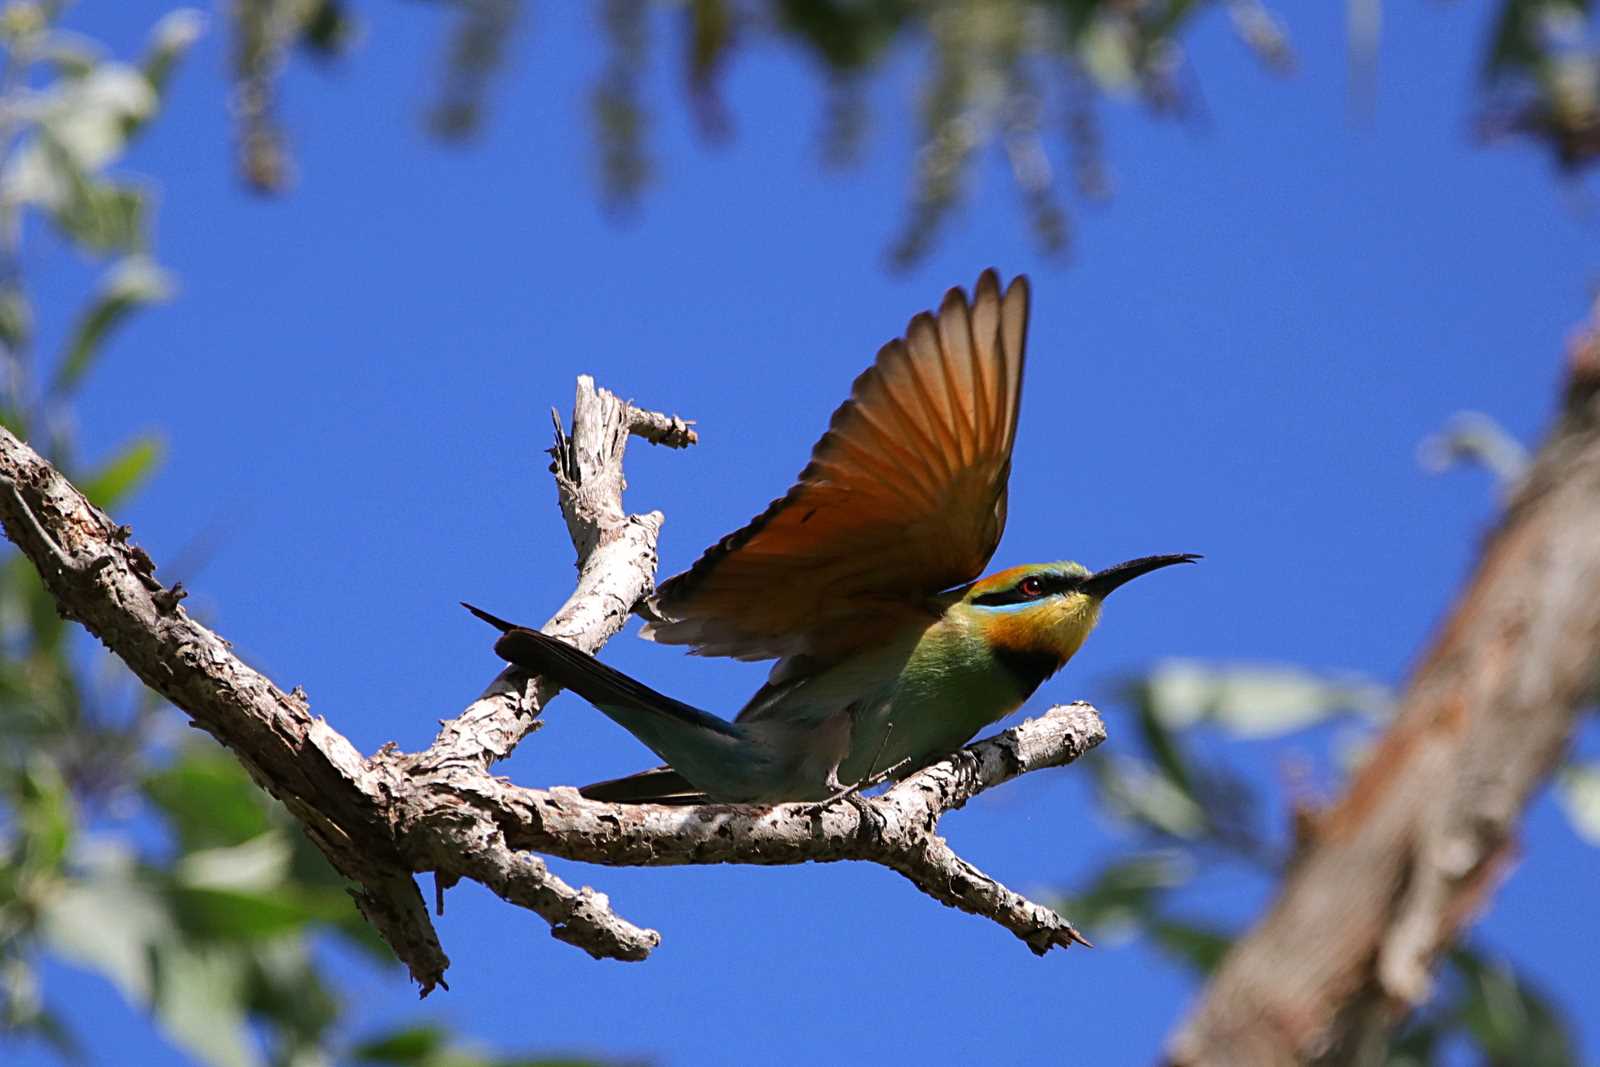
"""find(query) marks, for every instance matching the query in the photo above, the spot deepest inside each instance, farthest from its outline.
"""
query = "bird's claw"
(853, 793)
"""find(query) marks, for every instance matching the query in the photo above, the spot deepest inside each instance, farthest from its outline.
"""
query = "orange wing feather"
(905, 495)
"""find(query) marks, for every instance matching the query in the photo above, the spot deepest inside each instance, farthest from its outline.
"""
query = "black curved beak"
(1101, 583)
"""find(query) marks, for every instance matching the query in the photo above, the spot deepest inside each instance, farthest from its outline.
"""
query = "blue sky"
(1240, 359)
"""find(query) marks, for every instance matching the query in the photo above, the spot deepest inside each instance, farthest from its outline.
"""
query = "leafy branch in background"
(1541, 79)
(210, 928)
(1023, 80)
(1020, 79)
(147, 858)
(1190, 825)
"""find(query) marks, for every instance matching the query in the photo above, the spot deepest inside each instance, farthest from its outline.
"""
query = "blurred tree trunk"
(1389, 875)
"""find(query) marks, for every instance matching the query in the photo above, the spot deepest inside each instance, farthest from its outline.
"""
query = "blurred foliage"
(1505, 1018)
(152, 861)
(1541, 75)
(157, 864)
(1021, 80)
(1188, 822)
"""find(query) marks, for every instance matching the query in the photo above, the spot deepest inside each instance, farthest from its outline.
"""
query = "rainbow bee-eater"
(859, 581)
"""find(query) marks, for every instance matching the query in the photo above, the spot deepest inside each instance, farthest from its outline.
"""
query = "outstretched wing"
(905, 495)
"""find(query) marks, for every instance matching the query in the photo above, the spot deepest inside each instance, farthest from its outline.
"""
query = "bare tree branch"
(1409, 854)
(381, 821)
(616, 569)
(896, 829)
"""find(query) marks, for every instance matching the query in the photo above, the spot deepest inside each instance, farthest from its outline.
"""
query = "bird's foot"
(852, 792)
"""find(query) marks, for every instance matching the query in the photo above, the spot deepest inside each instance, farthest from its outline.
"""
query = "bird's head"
(1047, 609)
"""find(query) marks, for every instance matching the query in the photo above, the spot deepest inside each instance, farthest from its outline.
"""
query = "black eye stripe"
(1051, 583)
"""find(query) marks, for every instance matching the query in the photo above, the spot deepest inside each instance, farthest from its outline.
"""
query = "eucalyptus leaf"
(200, 994)
(1201, 948)
(409, 1046)
(231, 914)
(124, 473)
(16, 318)
(133, 283)
(1257, 701)
(287, 987)
(259, 863)
(1122, 897)
(90, 117)
(73, 55)
(110, 922)
(170, 40)
(105, 216)
(208, 798)
(44, 816)
(1508, 1017)
(1137, 791)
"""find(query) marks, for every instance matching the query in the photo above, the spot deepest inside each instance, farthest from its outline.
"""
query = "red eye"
(1031, 587)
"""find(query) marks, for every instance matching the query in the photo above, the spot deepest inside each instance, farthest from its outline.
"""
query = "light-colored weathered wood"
(381, 821)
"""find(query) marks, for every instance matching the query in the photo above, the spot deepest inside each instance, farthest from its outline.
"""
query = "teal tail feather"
(606, 688)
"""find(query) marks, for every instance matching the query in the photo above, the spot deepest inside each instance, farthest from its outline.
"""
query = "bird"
(862, 582)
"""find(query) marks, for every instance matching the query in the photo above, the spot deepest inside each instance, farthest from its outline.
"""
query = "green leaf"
(209, 799)
(44, 815)
(1138, 791)
(21, 22)
(1200, 947)
(433, 1046)
(327, 29)
(16, 319)
(231, 914)
(81, 127)
(170, 40)
(123, 473)
(104, 216)
(1109, 55)
(256, 864)
(1257, 701)
(72, 55)
(1121, 899)
(243, 891)
(1161, 743)
(1509, 1019)
(1578, 789)
(110, 922)
(287, 989)
(133, 283)
(200, 1003)
(89, 118)
(414, 1045)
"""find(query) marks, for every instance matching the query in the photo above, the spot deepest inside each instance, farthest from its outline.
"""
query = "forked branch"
(384, 819)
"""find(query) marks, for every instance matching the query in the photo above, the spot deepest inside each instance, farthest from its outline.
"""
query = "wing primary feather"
(904, 476)
(955, 325)
(1013, 345)
(929, 450)
(955, 360)
(922, 341)
(904, 496)
(871, 458)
